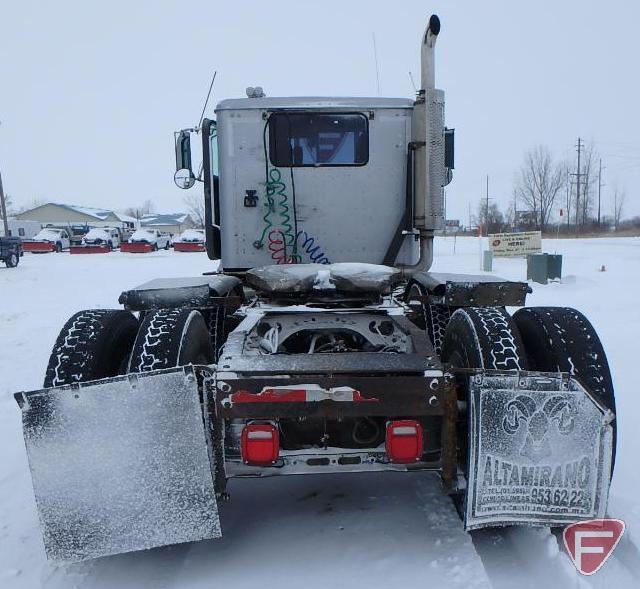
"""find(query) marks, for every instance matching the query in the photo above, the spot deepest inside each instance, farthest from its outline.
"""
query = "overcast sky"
(90, 93)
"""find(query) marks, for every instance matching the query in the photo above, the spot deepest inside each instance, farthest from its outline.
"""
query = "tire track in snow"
(526, 558)
(535, 558)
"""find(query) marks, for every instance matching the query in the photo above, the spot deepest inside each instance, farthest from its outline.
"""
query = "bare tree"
(146, 208)
(588, 182)
(195, 207)
(492, 218)
(619, 197)
(9, 205)
(538, 183)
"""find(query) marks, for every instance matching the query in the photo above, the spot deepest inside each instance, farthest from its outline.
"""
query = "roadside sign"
(515, 244)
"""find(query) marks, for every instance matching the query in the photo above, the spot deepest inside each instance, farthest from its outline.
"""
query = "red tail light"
(404, 441)
(260, 444)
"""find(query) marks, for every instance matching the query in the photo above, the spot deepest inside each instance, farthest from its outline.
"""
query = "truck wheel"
(12, 260)
(561, 339)
(483, 337)
(155, 247)
(432, 318)
(58, 247)
(91, 345)
(171, 337)
(166, 246)
(479, 337)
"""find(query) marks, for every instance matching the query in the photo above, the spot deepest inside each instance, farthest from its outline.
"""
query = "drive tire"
(483, 337)
(91, 345)
(561, 339)
(171, 337)
(432, 318)
(12, 260)
(58, 247)
(479, 337)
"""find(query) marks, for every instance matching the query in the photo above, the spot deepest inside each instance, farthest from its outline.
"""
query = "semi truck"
(320, 342)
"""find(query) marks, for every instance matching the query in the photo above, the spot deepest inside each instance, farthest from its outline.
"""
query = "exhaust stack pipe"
(427, 130)
(427, 54)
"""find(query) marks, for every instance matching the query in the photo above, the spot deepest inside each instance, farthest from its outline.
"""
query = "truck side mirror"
(184, 177)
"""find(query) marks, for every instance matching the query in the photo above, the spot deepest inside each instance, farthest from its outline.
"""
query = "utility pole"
(568, 199)
(599, 189)
(3, 209)
(486, 211)
(578, 175)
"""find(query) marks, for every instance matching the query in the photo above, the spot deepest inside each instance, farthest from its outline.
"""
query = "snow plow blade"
(136, 248)
(186, 246)
(120, 464)
(38, 247)
(540, 451)
(89, 249)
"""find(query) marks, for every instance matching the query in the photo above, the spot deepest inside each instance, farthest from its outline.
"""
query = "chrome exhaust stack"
(428, 145)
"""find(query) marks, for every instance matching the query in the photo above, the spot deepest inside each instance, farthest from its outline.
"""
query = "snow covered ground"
(374, 530)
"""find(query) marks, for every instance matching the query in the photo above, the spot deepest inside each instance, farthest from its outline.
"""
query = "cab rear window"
(318, 139)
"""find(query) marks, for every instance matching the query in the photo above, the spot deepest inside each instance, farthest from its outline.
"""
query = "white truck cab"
(152, 236)
(109, 236)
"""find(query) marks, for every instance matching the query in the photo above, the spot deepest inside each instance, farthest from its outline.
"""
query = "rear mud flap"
(120, 464)
(540, 451)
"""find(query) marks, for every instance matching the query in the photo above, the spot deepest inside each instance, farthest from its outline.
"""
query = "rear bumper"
(188, 247)
(38, 247)
(136, 248)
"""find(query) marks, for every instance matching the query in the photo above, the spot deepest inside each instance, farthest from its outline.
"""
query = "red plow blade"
(38, 247)
(136, 248)
(183, 246)
(89, 249)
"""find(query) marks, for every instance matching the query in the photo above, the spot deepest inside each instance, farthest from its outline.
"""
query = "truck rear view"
(321, 344)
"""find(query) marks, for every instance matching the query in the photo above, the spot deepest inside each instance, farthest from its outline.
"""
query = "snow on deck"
(372, 530)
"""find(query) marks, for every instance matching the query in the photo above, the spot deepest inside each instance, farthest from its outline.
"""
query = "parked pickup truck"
(190, 240)
(146, 240)
(109, 236)
(49, 239)
(10, 251)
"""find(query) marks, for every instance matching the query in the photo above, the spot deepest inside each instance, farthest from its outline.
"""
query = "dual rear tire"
(103, 343)
(545, 339)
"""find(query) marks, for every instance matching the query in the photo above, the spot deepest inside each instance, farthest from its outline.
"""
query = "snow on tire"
(171, 337)
(91, 345)
(561, 339)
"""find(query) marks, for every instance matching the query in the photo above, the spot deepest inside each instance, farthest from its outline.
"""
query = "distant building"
(173, 223)
(452, 226)
(21, 228)
(59, 214)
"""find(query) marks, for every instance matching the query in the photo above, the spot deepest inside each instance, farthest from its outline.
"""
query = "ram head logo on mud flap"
(524, 410)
